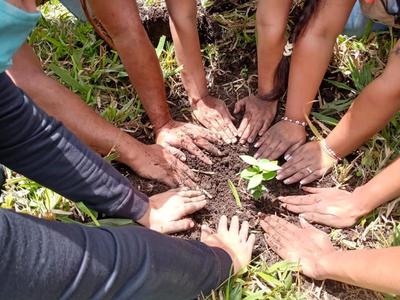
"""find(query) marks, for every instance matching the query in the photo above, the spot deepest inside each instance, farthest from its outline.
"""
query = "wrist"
(194, 100)
(326, 266)
(367, 199)
(294, 121)
(161, 122)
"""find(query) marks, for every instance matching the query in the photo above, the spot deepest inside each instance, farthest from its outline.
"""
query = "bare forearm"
(67, 107)
(183, 25)
(271, 24)
(354, 267)
(370, 112)
(381, 189)
(312, 53)
(122, 21)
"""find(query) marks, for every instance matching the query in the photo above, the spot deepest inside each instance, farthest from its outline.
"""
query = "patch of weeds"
(259, 171)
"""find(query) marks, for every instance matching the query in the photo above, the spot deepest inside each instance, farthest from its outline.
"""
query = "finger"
(298, 176)
(256, 128)
(244, 124)
(171, 181)
(193, 149)
(187, 182)
(291, 169)
(234, 227)
(265, 127)
(177, 226)
(208, 134)
(246, 133)
(269, 148)
(279, 150)
(229, 115)
(192, 207)
(315, 190)
(189, 194)
(229, 125)
(184, 171)
(299, 200)
(251, 241)
(315, 217)
(176, 152)
(239, 106)
(281, 226)
(244, 231)
(299, 209)
(217, 127)
(205, 232)
(273, 244)
(223, 224)
(223, 126)
(305, 225)
(312, 177)
(292, 149)
(262, 140)
(204, 144)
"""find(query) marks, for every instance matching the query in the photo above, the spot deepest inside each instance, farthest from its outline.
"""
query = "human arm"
(210, 111)
(377, 103)
(123, 24)
(310, 58)
(318, 259)
(149, 161)
(271, 22)
(41, 148)
(339, 208)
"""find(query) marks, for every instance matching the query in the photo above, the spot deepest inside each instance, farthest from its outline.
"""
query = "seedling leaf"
(255, 181)
(249, 160)
(268, 165)
(269, 175)
(248, 173)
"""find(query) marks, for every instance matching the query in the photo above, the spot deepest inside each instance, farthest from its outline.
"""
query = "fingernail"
(279, 177)
(256, 156)
(287, 181)
(280, 198)
(250, 140)
(302, 182)
(234, 140)
(242, 141)
(191, 224)
(286, 157)
(256, 145)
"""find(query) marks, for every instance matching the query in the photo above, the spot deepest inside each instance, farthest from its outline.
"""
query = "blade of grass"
(235, 193)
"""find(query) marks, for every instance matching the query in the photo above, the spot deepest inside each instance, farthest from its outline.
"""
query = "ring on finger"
(308, 169)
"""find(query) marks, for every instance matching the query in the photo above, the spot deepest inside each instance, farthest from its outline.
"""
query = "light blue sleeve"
(15, 26)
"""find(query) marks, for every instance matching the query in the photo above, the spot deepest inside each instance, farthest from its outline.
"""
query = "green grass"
(74, 55)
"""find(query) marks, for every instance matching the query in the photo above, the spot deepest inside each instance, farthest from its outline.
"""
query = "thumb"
(177, 226)
(176, 152)
(239, 106)
(205, 232)
(304, 223)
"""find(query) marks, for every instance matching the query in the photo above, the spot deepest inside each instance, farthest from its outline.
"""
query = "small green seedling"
(259, 171)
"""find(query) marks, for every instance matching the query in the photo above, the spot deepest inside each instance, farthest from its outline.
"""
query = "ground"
(228, 39)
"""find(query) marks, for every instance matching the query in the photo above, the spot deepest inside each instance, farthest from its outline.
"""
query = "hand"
(214, 115)
(283, 137)
(328, 206)
(155, 162)
(305, 245)
(235, 241)
(306, 164)
(190, 137)
(167, 211)
(258, 117)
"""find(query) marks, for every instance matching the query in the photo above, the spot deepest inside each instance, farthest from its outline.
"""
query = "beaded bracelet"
(297, 122)
(329, 151)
